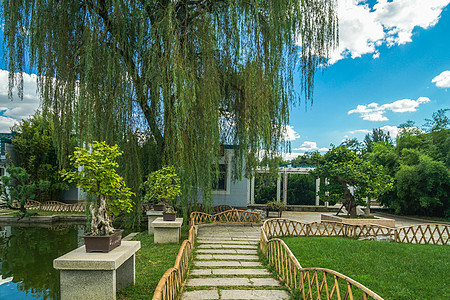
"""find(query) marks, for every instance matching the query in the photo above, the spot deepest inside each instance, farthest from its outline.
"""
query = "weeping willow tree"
(186, 75)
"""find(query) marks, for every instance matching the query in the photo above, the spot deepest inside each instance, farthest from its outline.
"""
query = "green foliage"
(162, 185)
(19, 186)
(179, 70)
(420, 166)
(423, 187)
(344, 168)
(95, 173)
(275, 205)
(34, 151)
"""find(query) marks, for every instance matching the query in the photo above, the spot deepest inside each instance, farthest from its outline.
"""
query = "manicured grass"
(392, 270)
(152, 261)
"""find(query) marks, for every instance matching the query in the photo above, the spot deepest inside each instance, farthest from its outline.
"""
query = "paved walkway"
(226, 266)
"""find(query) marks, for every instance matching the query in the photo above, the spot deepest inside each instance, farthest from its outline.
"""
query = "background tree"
(377, 135)
(18, 186)
(178, 69)
(345, 169)
(35, 153)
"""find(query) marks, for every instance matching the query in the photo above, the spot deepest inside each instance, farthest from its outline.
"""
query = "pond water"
(26, 259)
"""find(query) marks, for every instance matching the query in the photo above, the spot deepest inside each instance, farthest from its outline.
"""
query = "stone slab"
(255, 294)
(204, 241)
(167, 231)
(201, 272)
(216, 246)
(227, 251)
(200, 295)
(264, 282)
(225, 263)
(152, 215)
(218, 282)
(79, 259)
(240, 272)
(377, 221)
(225, 257)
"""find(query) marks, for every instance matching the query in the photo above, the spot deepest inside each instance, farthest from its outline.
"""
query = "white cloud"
(291, 156)
(375, 112)
(442, 80)
(12, 111)
(362, 29)
(6, 123)
(359, 131)
(289, 134)
(393, 130)
(307, 146)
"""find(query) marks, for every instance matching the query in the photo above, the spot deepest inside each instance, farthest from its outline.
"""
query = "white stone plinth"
(152, 215)
(167, 231)
(96, 275)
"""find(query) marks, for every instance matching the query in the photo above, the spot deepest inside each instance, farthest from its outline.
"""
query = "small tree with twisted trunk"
(96, 174)
(344, 169)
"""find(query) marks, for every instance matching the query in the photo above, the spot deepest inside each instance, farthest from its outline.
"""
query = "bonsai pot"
(158, 207)
(102, 243)
(167, 216)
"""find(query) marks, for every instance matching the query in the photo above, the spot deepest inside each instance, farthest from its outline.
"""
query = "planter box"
(169, 216)
(103, 243)
(359, 221)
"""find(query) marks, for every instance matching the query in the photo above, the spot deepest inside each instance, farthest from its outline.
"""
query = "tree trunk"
(350, 203)
(101, 223)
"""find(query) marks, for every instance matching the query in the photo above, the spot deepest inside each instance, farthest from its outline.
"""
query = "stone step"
(246, 242)
(231, 281)
(254, 294)
(227, 251)
(200, 295)
(206, 272)
(226, 263)
(215, 246)
(226, 256)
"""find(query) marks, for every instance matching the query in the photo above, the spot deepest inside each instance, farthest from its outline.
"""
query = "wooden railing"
(171, 282)
(53, 206)
(315, 283)
(437, 234)
(229, 216)
(310, 283)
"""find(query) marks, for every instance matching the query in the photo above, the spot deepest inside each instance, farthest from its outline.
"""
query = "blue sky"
(381, 76)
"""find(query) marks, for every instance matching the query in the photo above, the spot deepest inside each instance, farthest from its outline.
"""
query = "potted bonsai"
(94, 172)
(161, 188)
(277, 206)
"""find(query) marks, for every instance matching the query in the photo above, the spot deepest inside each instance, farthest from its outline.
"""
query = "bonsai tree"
(19, 187)
(95, 173)
(162, 186)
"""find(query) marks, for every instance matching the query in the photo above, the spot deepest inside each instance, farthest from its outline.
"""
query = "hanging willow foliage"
(191, 74)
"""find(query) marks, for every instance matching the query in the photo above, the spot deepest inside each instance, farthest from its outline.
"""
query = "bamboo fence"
(436, 234)
(53, 206)
(321, 283)
(172, 281)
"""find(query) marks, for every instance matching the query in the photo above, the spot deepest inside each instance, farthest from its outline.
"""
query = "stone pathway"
(226, 266)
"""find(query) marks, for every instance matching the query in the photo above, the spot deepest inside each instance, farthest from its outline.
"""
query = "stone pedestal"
(152, 215)
(167, 231)
(96, 275)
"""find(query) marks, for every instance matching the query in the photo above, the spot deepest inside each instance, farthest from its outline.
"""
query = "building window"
(221, 183)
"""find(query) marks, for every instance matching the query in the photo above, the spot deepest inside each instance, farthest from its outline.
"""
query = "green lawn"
(152, 261)
(392, 270)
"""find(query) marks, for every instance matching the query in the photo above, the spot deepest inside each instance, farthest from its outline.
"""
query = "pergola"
(283, 170)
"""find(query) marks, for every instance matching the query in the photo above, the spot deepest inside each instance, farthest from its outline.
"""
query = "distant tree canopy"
(192, 74)
(35, 152)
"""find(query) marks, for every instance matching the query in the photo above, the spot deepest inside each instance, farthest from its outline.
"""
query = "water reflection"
(26, 259)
